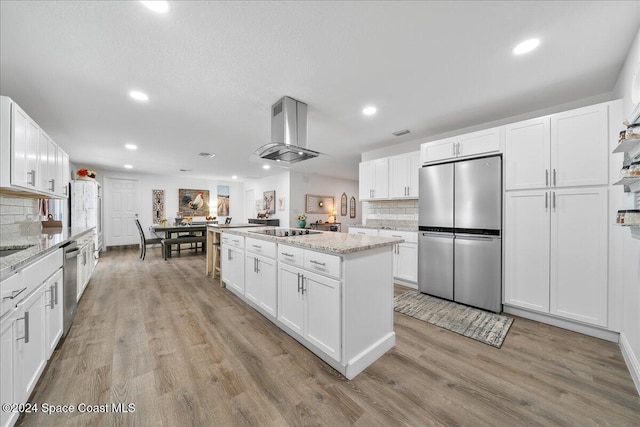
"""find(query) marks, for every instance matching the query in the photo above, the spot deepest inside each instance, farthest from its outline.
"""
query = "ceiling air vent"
(207, 155)
(401, 132)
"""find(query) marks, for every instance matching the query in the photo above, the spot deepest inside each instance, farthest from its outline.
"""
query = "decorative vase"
(302, 223)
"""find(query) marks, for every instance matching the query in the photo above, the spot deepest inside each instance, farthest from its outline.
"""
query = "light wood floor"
(160, 335)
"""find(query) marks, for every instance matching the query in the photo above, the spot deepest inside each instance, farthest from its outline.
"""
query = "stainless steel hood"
(288, 133)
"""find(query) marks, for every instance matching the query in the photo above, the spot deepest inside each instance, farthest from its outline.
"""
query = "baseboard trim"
(592, 331)
(631, 360)
(405, 283)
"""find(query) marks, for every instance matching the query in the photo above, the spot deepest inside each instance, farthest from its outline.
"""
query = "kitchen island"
(332, 292)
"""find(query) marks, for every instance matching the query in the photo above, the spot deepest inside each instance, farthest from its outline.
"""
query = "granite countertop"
(36, 245)
(378, 227)
(325, 241)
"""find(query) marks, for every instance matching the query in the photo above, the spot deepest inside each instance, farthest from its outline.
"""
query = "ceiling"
(212, 70)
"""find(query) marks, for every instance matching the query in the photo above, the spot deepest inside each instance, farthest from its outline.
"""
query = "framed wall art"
(269, 201)
(343, 204)
(223, 200)
(319, 204)
(157, 201)
(352, 207)
(193, 202)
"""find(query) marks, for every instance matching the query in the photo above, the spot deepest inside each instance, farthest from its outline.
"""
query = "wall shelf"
(631, 146)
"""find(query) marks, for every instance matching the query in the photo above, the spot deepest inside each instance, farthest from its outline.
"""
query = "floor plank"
(163, 336)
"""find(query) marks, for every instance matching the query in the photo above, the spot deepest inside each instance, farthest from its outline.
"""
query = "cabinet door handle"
(299, 286)
(55, 287)
(313, 261)
(546, 200)
(32, 181)
(229, 254)
(458, 149)
(257, 246)
(64, 190)
(546, 177)
(303, 278)
(53, 185)
(26, 328)
(287, 255)
(395, 235)
(257, 265)
(554, 178)
(554, 200)
(52, 301)
(454, 149)
(14, 294)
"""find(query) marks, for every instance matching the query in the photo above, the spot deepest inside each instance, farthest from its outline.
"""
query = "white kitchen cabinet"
(374, 179)
(30, 161)
(232, 265)
(53, 311)
(472, 144)
(30, 349)
(62, 173)
(556, 252)
(579, 255)
(567, 149)
(8, 346)
(403, 176)
(405, 255)
(260, 282)
(527, 154)
(309, 304)
(20, 147)
(527, 249)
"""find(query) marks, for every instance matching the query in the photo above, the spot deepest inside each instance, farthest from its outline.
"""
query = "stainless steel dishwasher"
(70, 273)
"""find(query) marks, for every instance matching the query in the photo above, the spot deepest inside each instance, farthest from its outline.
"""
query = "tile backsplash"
(385, 212)
(18, 214)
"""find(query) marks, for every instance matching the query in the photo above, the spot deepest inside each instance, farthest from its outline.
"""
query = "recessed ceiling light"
(277, 160)
(131, 146)
(526, 46)
(157, 6)
(369, 111)
(128, 167)
(234, 177)
(138, 96)
(300, 153)
(266, 167)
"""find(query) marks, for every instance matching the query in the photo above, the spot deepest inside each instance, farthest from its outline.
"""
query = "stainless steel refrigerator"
(460, 241)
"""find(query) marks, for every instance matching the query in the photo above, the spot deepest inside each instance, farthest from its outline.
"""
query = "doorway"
(249, 205)
(121, 207)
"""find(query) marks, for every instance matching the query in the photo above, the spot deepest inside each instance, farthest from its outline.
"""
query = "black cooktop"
(285, 232)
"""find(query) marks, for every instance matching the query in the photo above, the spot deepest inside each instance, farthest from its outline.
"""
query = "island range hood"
(288, 133)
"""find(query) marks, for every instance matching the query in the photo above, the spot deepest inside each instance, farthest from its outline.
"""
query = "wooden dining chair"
(144, 241)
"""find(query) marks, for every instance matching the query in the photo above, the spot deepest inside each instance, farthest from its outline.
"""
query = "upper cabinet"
(374, 179)
(470, 144)
(403, 175)
(31, 162)
(562, 150)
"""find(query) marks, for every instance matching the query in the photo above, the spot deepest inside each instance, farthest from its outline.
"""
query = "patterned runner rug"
(480, 325)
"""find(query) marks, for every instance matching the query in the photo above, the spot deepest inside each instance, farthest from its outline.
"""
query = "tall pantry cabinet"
(556, 222)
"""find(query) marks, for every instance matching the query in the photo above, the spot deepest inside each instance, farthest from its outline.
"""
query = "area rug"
(480, 325)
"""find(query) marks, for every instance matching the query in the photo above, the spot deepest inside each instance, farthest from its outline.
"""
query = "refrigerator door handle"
(441, 235)
(475, 237)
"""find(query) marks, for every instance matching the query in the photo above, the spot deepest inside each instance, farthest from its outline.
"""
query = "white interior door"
(122, 199)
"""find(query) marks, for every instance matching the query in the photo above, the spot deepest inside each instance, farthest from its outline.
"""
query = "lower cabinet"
(260, 282)
(405, 255)
(86, 262)
(556, 252)
(53, 311)
(8, 388)
(232, 266)
(309, 304)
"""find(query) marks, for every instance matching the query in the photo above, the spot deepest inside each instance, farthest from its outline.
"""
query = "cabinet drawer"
(261, 247)
(12, 290)
(36, 273)
(291, 255)
(408, 236)
(321, 263)
(363, 231)
(233, 240)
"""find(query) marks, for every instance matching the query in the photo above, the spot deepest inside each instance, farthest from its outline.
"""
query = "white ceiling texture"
(212, 70)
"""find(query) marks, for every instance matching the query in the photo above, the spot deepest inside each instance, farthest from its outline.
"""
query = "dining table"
(170, 230)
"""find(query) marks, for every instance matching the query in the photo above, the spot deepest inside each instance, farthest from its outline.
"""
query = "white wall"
(303, 184)
(170, 185)
(630, 316)
(279, 183)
